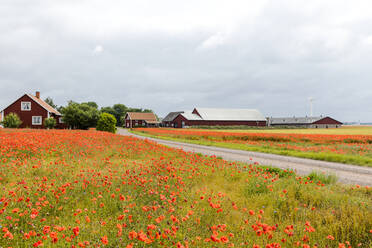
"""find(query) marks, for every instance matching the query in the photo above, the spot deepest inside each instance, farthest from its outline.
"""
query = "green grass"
(322, 177)
(330, 157)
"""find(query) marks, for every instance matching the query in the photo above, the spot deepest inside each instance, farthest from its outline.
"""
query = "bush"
(12, 120)
(80, 115)
(50, 123)
(106, 122)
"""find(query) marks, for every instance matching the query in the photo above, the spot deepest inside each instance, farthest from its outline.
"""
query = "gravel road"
(349, 174)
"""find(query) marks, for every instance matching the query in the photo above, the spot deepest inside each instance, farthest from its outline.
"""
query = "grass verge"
(329, 157)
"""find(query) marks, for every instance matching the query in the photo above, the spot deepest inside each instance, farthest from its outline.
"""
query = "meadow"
(95, 189)
(343, 145)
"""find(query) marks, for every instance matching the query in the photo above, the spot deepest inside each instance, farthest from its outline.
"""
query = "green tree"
(50, 123)
(12, 120)
(80, 116)
(108, 110)
(91, 104)
(49, 100)
(118, 110)
(106, 122)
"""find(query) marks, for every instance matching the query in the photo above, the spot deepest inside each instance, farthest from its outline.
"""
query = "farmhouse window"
(25, 106)
(37, 120)
(60, 120)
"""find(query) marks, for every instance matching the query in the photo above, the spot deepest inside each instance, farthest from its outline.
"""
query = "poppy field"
(351, 149)
(63, 188)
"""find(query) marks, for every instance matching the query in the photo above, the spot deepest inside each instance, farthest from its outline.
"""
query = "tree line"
(86, 114)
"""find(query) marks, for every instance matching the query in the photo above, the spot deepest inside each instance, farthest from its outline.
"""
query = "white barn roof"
(190, 116)
(216, 114)
(294, 120)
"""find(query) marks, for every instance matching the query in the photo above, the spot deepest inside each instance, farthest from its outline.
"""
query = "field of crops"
(352, 149)
(95, 189)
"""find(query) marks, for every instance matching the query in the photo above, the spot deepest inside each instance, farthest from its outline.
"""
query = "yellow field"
(347, 130)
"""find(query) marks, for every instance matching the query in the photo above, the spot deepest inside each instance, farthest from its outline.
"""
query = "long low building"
(214, 117)
(308, 122)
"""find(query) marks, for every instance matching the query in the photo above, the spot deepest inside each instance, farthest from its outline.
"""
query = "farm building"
(134, 119)
(308, 122)
(32, 111)
(215, 117)
(168, 120)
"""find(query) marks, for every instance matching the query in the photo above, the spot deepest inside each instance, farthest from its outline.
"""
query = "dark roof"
(294, 120)
(172, 115)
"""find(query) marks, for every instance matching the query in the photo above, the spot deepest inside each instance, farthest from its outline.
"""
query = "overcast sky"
(175, 55)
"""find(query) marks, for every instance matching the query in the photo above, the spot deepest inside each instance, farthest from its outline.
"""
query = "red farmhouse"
(32, 111)
(134, 119)
(215, 117)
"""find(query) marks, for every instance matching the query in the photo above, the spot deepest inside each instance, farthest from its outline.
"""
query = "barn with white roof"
(216, 117)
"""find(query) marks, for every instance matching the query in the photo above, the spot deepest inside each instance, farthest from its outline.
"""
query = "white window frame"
(37, 124)
(60, 120)
(22, 109)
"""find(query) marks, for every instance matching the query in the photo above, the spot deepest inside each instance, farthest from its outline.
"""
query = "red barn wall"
(134, 123)
(179, 119)
(26, 116)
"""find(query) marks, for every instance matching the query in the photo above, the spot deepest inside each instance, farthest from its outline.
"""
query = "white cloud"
(367, 40)
(105, 18)
(214, 41)
(98, 49)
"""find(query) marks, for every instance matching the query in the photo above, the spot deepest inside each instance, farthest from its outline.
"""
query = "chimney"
(37, 94)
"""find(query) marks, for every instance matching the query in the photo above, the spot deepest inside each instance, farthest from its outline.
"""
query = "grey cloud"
(273, 63)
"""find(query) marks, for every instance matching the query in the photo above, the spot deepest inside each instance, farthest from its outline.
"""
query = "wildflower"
(104, 240)
(330, 237)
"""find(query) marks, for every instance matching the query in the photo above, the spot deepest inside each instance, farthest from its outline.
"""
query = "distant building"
(32, 111)
(308, 122)
(215, 117)
(135, 119)
(168, 120)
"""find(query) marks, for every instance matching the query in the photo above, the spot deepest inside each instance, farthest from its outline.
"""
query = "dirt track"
(350, 174)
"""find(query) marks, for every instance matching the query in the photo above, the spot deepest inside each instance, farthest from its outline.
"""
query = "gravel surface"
(349, 174)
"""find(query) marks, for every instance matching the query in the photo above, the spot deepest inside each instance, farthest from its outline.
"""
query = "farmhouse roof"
(143, 116)
(294, 120)
(190, 116)
(172, 115)
(217, 114)
(43, 104)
